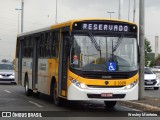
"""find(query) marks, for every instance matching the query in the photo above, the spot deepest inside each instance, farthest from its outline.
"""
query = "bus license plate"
(106, 94)
(149, 83)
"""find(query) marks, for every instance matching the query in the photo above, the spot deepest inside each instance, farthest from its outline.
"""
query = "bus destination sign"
(105, 26)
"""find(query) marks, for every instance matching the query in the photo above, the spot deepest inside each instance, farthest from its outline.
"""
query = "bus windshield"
(95, 52)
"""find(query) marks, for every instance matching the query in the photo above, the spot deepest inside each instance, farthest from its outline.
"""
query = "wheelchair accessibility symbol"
(111, 66)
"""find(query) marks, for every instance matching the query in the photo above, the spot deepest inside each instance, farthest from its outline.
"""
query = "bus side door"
(63, 64)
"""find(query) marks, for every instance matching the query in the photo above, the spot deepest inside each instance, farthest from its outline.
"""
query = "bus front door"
(63, 65)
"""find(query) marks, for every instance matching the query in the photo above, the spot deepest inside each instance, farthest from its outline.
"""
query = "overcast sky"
(41, 13)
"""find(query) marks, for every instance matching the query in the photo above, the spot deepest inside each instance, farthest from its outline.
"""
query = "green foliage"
(157, 61)
(148, 50)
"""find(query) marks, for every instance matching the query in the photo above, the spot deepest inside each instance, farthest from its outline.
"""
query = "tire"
(156, 88)
(56, 100)
(13, 83)
(28, 91)
(110, 104)
(37, 94)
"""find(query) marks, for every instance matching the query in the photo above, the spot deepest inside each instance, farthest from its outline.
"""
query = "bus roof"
(69, 23)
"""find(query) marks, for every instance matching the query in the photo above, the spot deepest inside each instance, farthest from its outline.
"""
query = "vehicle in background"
(156, 68)
(7, 73)
(151, 79)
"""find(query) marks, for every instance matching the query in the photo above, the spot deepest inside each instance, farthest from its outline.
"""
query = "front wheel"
(156, 88)
(57, 100)
(110, 104)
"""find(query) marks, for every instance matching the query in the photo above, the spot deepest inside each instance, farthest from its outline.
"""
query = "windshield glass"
(6, 67)
(147, 71)
(103, 53)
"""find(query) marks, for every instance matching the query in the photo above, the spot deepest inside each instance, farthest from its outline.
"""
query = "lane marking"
(130, 108)
(35, 104)
(7, 91)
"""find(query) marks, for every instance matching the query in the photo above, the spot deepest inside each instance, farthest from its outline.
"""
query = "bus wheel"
(156, 88)
(28, 91)
(57, 100)
(110, 104)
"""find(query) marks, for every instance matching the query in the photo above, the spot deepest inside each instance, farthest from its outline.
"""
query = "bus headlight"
(78, 84)
(131, 85)
(13, 74)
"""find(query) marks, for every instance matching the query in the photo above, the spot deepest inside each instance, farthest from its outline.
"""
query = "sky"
(41, 13)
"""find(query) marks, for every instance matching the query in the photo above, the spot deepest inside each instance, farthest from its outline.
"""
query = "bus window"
(54, 44)
(47, 44)
(41, 46)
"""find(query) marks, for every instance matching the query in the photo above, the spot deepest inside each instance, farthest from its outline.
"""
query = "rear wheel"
(156, 88)
(110, 104)
(28, 91)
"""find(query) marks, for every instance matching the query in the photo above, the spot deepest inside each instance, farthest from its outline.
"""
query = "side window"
(30, 46)
(17, 47)
(41, 46)
(54, 44)
(25, 48)
(47, 44)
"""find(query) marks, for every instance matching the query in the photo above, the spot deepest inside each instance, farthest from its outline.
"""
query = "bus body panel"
(75, 93)
(99, 87)
(48, 68)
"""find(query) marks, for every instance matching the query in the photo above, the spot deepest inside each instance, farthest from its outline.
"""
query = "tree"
(157, 61)
(148, 49)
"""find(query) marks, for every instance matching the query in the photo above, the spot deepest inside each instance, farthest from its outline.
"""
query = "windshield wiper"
(94, 42)
(117, 43)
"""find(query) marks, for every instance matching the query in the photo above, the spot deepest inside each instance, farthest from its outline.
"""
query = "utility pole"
(156, 46)
(22, 15)
(141, 45)
(129, 9)
(120, 9)
(110, 14)
(18, 17)
(56, 13)
(134, 11)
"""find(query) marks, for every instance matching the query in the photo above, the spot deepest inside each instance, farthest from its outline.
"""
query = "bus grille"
(104, 75)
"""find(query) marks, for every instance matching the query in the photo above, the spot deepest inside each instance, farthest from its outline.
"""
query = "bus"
(80, 60)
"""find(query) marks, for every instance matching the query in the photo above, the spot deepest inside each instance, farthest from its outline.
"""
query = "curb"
(141, 106)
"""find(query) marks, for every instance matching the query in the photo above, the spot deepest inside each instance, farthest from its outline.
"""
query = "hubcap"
(26, 86)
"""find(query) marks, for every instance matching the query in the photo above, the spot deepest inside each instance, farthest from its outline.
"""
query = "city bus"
(80, 60)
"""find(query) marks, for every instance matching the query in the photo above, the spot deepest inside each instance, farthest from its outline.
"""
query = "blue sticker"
(111, 66)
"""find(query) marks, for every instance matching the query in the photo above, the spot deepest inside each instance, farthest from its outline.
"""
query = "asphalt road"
(12, 98)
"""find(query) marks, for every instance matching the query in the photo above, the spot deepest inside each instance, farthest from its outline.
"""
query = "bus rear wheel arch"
(28, 91)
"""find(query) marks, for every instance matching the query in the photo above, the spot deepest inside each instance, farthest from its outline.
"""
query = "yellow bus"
(87, 59)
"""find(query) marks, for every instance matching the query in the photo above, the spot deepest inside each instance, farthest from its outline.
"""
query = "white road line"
(130, 108)
(35, 104)
(7, 91)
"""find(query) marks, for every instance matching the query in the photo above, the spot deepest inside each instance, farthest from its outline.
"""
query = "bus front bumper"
(115, 94)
